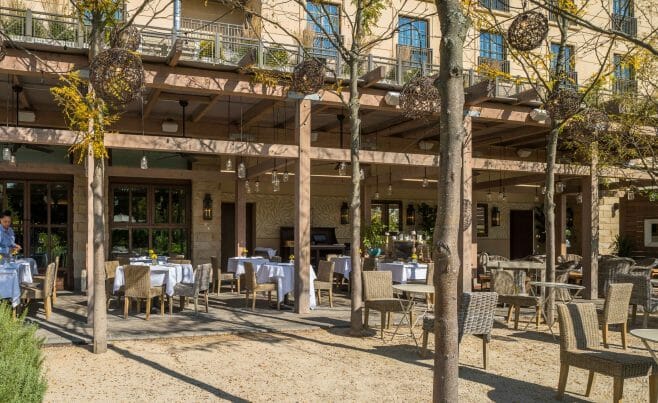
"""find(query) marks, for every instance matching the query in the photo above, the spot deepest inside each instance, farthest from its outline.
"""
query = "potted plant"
(374, 238)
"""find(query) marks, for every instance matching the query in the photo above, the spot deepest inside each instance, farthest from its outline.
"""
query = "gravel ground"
(321, 365)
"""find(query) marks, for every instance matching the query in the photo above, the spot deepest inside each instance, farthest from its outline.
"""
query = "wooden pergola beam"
(175, 53)
(373, 76)
(517, 180)
(203, 109)
(150, 104)
(169, 96)
(506, 135)
(256, 112)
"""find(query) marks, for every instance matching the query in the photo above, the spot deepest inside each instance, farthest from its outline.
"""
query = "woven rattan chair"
(378, 295)
(178, 257)
(110, 274)
(276, 259)
(201, 286)
(123, 260)
(610, 269)
(252, 286)
(569, 257)
(42, 290)
(179, 261)
(615, 310)
(476, 317)
(325, 281)
(41, 277)
(218, 276)
(642, 294)
(138, 287)
(502, 283)
(579, 347)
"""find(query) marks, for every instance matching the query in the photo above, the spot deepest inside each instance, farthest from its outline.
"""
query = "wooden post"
(465, 240)
(560, 225)
(240, 216)
(89, 256)
(590, 229)
(365, 206)
(303, 206)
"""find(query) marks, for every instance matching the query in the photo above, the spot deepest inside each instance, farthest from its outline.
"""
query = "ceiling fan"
(17, 90)
(189, 157)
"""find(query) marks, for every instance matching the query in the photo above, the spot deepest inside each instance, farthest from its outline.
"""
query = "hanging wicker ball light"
(419, 98)
(527, 31)
(117, 76)
(3, 50)
(563, 103)
(126, 37)
(308, 77)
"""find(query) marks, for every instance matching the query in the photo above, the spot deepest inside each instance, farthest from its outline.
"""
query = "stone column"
(303, 206)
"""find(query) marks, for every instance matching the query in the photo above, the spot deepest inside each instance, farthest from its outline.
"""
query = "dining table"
(403, 272)
(552, 287)
(284, 276)
(236, 264)
(165, 274)
(342, 265)
(647, 335)
(12, 275)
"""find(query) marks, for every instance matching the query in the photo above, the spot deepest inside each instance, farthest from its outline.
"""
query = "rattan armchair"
(41, 277)
(610, 268)
(476, 317)
(179, 261)
(503, 284)
(42, 290)
(579, 347)
(252, 286)
(110, 274)
(615, 310)
(642, 294)
(218, 276)
(201, 286)
(138, 287)
(324, 281)
(378, 295)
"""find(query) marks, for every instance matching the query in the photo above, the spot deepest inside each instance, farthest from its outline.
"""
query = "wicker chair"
(569, 257)
(179, 261)
(123, 260)
(138, 286)
(476, 316)
(218, 276)
(262, 253)
(110, 274)
(201, 286)
(378, 295)
(42, 277)
(646, 262)
(503, 284)
(252, 286)
(642, 294)
(276, 259)
(325, 281)
(177, 257)
(615, 310)
(579, 347)
(42, 290)
(610, 269)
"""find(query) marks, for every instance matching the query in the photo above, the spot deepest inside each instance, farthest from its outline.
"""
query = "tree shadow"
(177, 375)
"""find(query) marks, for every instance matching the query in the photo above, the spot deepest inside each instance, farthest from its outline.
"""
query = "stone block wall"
(206, 234)
(608, 223)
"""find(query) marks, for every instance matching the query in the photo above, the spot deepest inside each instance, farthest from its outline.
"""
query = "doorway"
(521, 230)
(228, 230)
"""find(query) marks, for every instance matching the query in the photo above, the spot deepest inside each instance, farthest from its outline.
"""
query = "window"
(651, 232)
(623, 17)
(622, 8)
(389, 213)
(324, 20)
(492, 46)
(568, 57)
(146, 217)
(482, 220)
(500, 5)
(624, 76)
(413, 38)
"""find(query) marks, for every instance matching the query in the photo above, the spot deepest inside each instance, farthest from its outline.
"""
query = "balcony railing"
(40, 27)
(500, 65)
(624, 86)
(625, 24)
(213, 27)
(500, 5)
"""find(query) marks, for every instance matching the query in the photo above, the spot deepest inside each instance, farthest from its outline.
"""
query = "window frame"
(385, 213)
(490, 53)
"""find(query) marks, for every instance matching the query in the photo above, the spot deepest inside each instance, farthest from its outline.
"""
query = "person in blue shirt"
(7, 237)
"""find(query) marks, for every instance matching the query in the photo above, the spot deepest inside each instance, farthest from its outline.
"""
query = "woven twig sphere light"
(308, 77)
(419, 98)
(563, 103)
(127, 38)
(527, 31)
(117, 76)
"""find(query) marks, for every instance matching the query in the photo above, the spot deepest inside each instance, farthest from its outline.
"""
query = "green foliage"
(12, 25)
(61, 31)
(373, 235)
(427, 215)
(277, 57)
(372, 12)
(622, 246)
(20, 360)
(206, 49)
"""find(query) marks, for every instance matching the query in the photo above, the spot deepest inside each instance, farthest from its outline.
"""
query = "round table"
(552, 286)
(647, 335)
(417, 288)
(407, 309)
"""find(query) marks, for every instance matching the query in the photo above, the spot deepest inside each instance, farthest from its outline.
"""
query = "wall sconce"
(207, 207)
(495, 217)
(615, 208)
(344, 214)
(411, 215)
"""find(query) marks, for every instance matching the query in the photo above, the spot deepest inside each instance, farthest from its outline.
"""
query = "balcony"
(499, 5)
(570, 78)
(499, 65)
(43, 28)
(624, 86)
(625, 24)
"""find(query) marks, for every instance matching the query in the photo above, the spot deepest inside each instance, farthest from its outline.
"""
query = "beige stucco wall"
(608, 223)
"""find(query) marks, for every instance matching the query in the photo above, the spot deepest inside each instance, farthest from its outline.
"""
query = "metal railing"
(625, 24)
(41, 27)
(213, 27)
(500, 65)
(500, 5)
(624, 86)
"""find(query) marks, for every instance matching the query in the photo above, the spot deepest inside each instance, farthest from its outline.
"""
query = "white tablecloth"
(343, 265)
(403, 272)
(270, 252)
(163, 274)
(32, 264)
(236, 264)
(9, 286)
(284, 275)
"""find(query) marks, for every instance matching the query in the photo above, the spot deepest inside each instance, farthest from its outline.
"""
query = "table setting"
(236, 264)
(284, 275)
(404, 271)
(342, 265)
(12, 274)
(167, 274)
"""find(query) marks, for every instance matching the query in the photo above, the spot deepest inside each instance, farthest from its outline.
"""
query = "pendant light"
(389, 190)
(377, 186)
(242, 170)
(536, 196)
(579, 198)
(630, 193)
(275, 173)
(276, 186)
(426, 182)
(286, 175)
(144, 162)
(247, 186)
(362, 174)
(489, 196)
(501, 192)
(6, 153)
(229, 164)
(257, 184)
(341, 168)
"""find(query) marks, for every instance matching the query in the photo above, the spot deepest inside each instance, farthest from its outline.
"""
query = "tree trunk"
(356, 314)
(549, 218)
(454, 26)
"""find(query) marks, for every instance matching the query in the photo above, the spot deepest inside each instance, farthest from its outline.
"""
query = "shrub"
(20, 360)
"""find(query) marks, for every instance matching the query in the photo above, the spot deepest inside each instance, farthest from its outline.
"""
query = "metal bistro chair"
(579, 347)
(476, 317)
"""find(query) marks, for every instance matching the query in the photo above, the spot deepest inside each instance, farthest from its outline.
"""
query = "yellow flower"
(151, 252)
(291, 257)
(414, 256)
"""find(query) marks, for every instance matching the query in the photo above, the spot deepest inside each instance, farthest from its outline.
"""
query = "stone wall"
(206, 234)
(608, 223)
(632, 214)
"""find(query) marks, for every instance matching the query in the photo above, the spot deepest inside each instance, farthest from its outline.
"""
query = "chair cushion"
(610, 363)
(384, 304)
(322, 285)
